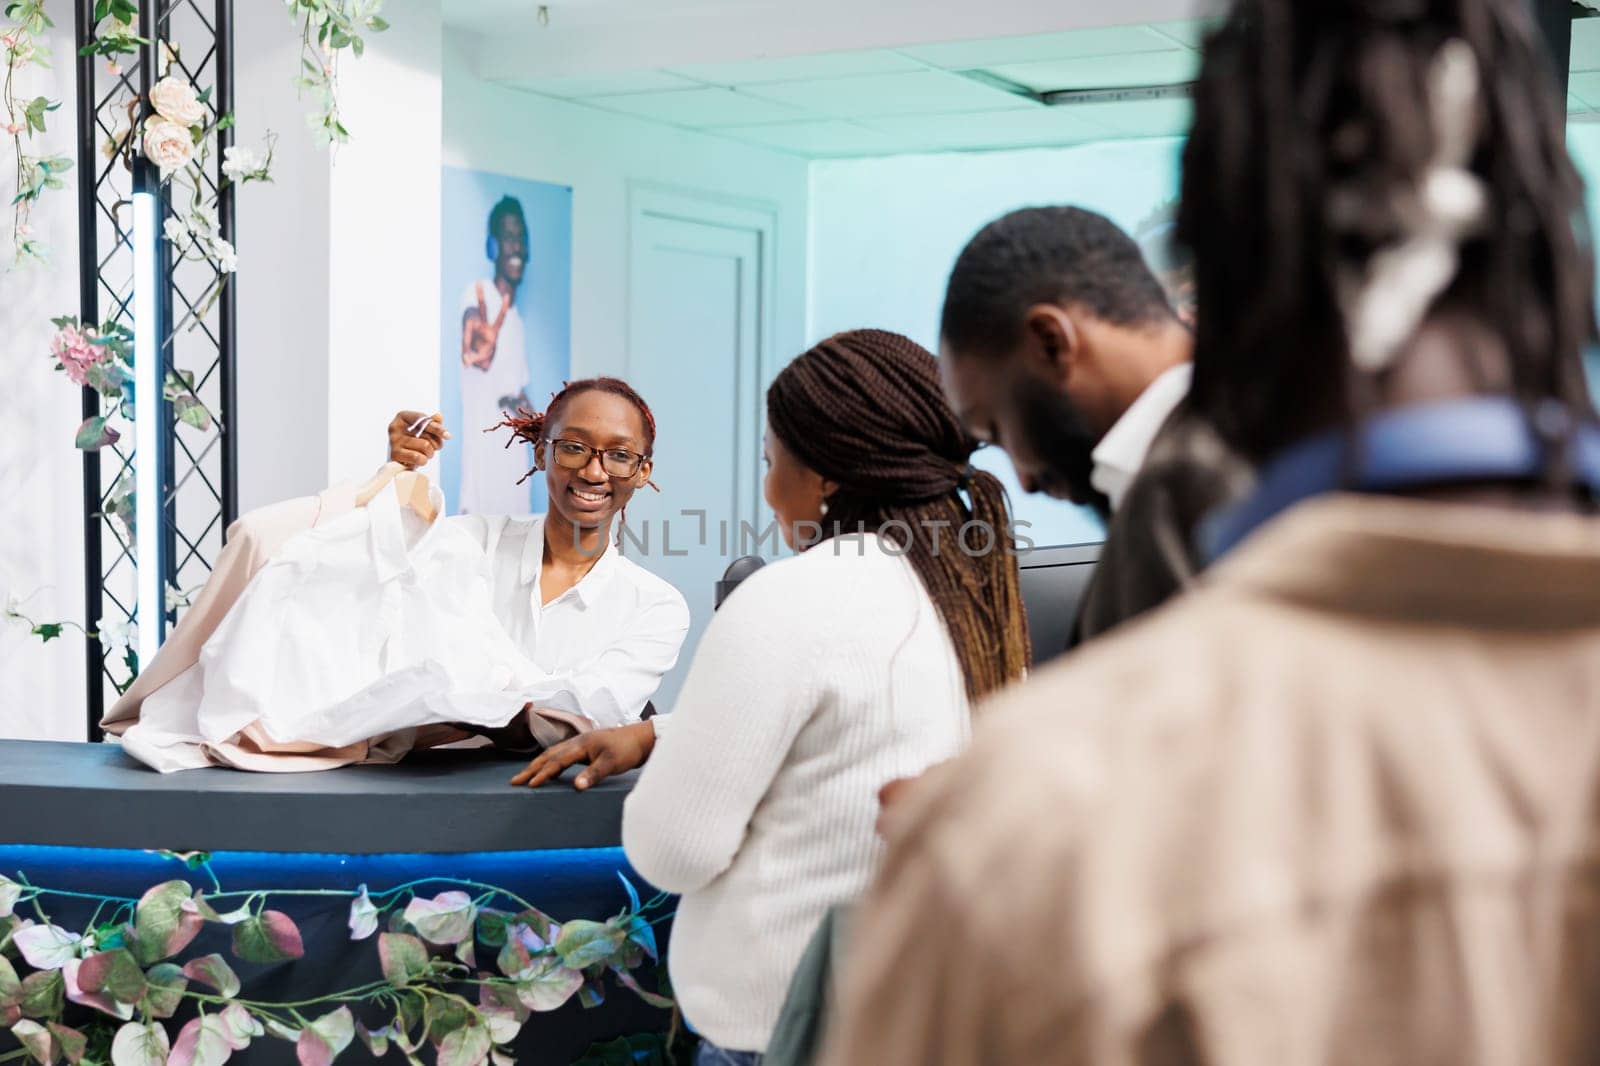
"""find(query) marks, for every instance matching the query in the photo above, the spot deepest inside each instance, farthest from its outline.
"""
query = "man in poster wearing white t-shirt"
(494, 372)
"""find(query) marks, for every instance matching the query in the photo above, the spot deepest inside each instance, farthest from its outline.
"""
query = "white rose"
(177, 232)
(239, 162)
(167, 145)
(226, 258)
(115, 142)
(174, 100)
(115, 636)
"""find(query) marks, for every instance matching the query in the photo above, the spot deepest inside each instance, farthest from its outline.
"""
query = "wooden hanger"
(413, 489)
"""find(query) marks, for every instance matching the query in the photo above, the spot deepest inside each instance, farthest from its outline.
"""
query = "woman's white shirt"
(605, 643)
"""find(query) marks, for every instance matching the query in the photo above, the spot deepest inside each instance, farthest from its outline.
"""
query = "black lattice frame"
(199, 496)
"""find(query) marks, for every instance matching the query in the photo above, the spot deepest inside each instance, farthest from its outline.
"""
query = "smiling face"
(512, 237)
(588, 497)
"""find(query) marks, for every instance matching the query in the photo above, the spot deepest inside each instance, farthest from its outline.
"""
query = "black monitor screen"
(1053, 583)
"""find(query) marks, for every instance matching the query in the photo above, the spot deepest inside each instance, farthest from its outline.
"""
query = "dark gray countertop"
(94, 795)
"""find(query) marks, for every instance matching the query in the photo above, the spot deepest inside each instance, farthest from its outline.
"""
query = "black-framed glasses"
(575, 455)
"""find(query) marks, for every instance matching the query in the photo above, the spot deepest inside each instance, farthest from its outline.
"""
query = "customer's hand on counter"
(413, 448)
(607, 751)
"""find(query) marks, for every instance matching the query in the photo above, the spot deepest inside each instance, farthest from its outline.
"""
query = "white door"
(699, 275)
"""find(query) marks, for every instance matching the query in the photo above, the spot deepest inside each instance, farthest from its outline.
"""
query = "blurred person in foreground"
(1337, 806)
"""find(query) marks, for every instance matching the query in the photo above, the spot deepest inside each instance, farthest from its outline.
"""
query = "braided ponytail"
(865, 409)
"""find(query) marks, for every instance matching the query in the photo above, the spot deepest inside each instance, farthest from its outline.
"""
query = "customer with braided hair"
(822, 679)
(1337, 804)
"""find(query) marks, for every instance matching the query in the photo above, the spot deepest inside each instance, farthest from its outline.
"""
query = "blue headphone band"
(491, 248)
(1490, 438)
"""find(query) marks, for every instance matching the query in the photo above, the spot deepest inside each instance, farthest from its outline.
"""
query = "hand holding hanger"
(414, 438)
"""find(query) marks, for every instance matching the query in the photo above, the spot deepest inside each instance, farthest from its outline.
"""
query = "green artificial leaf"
(445, 919)
(376, 24)
(178, 383)
(64, 321)
(213, 970)
(501, 995)
(322, 1041)
(115, 973)
(100, 1001)
(467, 1046)
(641, 933)
(403, 957)
(46, 947)
(363, 916)
(467, 953)
(191, 412)
(109, 379)
(410, 1010)
(270, 936)
(550, 986)
(36, 1040)
(633, 893)
(102, 8)
(165, 983)
(504, 1023)
(592, 994)
(10, 995)
(140, 1044)
(543, 926)
(492, 927)
(42, 995)
(515, 960)
(445, 1016)
(204, 909)
(48, 631)
(278, 1029)
(10, 893)
(376, 1041)
(628, 981)
(71, 1043)
(162, 925)
(238, 1026)
(202, 1042)
(583, 943)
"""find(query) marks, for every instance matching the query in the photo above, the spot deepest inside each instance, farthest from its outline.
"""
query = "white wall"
(282, 284)
(383, 240)
(884, 234)
(41, 473)
(487, 127)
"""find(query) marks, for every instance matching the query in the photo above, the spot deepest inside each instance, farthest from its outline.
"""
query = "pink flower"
(113, 68)
(9, 41)
(77, 353)
(13, 129)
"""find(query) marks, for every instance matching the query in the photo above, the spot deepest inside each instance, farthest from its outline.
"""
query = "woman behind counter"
(821, 680)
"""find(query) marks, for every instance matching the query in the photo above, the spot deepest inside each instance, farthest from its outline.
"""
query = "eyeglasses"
(616, 462)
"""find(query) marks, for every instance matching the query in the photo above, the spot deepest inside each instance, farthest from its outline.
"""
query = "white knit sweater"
(822, 678)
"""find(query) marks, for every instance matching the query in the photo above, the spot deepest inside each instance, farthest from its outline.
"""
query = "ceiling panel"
(965, 55)
(1139, 118)
(830, 138)
(1586, 87)
(1103, 72)
(1190, 33)
(991, 129)
(799, 68)
(1586, 44)
(643, 81)
(699, 108)
(873, 95)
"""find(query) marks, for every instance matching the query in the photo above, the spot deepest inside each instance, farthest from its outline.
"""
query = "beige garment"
(250, 543)
(1341, 806)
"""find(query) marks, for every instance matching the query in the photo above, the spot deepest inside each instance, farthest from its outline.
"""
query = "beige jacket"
(1340, 806)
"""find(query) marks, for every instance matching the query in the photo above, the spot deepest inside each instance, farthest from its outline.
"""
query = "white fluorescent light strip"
(147, 425)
